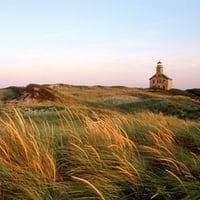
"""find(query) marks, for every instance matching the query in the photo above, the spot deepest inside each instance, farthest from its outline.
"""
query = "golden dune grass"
(98, 156)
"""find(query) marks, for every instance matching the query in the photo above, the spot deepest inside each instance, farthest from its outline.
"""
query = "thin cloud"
(61, 34)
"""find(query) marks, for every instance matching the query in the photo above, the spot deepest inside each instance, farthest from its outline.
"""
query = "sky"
(99, 42)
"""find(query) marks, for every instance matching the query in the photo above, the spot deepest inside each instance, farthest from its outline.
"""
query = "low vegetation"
(120, 143)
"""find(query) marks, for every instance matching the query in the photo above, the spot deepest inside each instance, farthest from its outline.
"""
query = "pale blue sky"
(99, 42)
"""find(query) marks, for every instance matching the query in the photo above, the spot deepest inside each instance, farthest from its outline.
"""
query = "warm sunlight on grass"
(115, 156)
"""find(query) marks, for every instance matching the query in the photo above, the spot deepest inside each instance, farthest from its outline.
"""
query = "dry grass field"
(80, 143)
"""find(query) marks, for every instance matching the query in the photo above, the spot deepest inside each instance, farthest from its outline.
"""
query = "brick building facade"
(160, 80)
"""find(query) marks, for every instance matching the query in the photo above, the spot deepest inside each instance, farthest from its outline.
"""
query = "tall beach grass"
(99, 156)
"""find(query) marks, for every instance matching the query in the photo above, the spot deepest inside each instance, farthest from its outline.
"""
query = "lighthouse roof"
(163, 75)
(159, 63)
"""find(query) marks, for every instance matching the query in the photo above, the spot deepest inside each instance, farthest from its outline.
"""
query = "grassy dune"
(112, 145)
